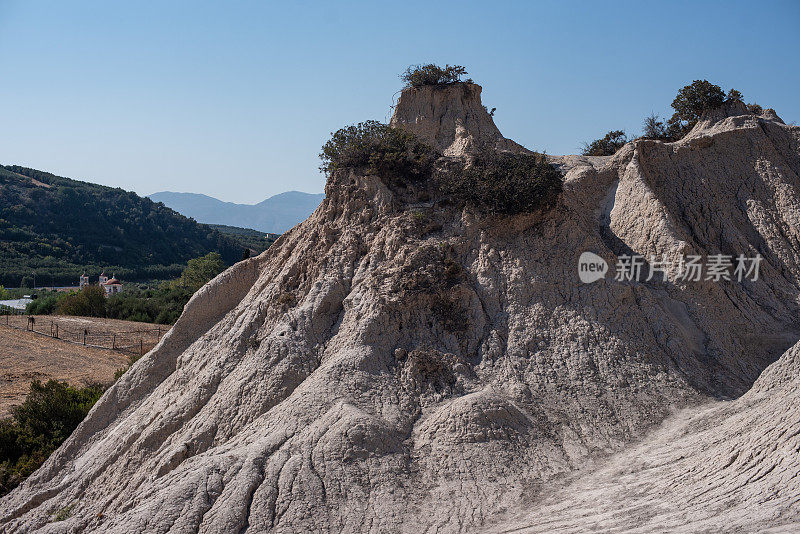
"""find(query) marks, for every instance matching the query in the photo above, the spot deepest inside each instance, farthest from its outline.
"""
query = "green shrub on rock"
(394, 154)
(607, 146)
(420, 75)
(504, 183)
(39, 426)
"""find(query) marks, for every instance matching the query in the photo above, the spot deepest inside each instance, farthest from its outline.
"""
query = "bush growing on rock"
(419, 75)
(690, 103)
(606, 146)
(504, 183)
(393, 154)
(654, 128)
(754, 108)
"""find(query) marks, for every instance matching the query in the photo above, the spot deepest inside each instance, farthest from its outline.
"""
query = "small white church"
(111, 286)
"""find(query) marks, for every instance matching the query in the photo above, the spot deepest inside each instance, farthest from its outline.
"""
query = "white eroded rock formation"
(395, 363)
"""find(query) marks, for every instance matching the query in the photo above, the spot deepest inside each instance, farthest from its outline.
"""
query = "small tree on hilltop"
(690, 103)
(654, 128)
(734, 96)
(419, 75)
(607, 146)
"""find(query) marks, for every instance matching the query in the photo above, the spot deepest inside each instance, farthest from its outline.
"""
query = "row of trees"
(163, 304)
(689, 104)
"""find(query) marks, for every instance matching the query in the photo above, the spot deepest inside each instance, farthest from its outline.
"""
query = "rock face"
(450, 118)
(727, 467)
(406, 365)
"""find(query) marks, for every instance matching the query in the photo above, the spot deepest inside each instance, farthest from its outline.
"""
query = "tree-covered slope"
(57, 227)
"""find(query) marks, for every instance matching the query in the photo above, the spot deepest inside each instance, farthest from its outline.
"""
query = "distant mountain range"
(275, 214)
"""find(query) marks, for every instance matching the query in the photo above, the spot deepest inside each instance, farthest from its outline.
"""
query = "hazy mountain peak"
(275, 214)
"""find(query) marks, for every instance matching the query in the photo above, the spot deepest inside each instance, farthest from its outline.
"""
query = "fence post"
(141, 347)
(56, 330)
(84, 336)
(114, 341)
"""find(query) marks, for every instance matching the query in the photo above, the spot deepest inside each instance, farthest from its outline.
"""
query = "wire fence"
(134, 342)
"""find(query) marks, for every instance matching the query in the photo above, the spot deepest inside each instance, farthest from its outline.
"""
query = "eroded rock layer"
(397, 363)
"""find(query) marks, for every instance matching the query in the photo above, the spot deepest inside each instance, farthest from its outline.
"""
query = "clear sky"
(234, 99)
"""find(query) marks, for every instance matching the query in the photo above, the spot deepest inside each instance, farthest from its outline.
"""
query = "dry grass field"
(27, 356)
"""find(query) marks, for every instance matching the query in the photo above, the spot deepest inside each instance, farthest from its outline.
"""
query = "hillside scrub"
(39, 426)
(504, 183)
(689, 104)
(430, 74)
(397, 156)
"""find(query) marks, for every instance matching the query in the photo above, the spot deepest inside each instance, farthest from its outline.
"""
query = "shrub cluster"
(397, 156)
(88, 302)
(39, 426)
(607, 146)
(689, 104)
(419, 75)
(504, 183)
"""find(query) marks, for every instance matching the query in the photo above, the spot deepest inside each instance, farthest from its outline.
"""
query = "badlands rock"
(450, 118)
(395, 364)
(727, 467)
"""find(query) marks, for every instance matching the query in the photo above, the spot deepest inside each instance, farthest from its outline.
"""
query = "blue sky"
(234, 99)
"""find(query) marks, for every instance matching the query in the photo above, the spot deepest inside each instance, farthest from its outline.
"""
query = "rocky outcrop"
(723, 467)
(400, 364)
(450, 118)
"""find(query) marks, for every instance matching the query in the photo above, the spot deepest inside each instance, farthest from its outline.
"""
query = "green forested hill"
(57, 227)
(247, 237)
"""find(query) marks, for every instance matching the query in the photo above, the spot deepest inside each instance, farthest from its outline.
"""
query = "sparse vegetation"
(64, 513)
(287, 299)
(754, 108)
(606, 146)
(504, 183)
(689, 104)
(50, 413)
(393, 154)
(734, 96)
(654, 128)
(430, 74)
